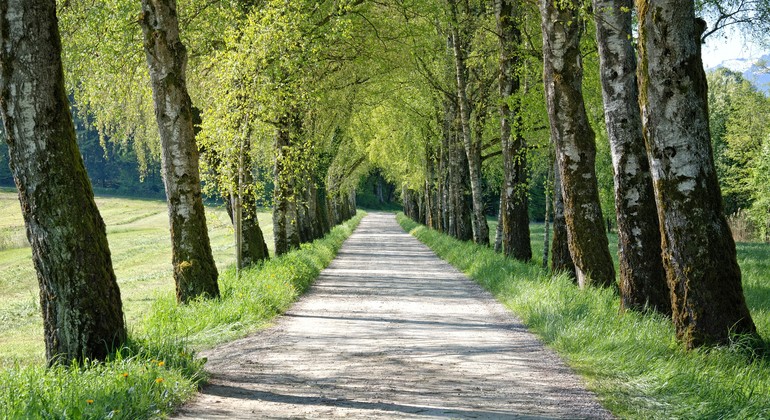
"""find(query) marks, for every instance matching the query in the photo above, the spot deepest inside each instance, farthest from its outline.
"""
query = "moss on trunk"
(79, 296)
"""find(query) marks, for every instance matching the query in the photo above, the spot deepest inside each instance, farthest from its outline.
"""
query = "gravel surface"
(391, 331)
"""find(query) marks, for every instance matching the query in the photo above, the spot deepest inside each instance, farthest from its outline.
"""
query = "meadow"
(631, 360)
(158, 368)
(137, 231)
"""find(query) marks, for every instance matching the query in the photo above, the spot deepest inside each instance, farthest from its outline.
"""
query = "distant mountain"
(757, 71)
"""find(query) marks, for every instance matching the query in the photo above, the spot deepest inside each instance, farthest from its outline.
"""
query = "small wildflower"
(159, 380)
(161, 363)
(125, 374)
(90, 401)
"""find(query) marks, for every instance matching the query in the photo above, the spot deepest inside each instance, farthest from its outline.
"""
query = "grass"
(631, 360)
(248, 303)
(157, 369)
(137, 231)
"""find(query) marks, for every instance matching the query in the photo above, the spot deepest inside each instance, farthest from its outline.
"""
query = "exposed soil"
(391, 331)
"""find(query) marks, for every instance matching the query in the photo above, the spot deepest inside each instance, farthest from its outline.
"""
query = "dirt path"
(391, 331)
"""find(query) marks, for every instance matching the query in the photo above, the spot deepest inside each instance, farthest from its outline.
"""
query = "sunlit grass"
(250, 301)
(138, 234)
(631, 360)
(157, 369)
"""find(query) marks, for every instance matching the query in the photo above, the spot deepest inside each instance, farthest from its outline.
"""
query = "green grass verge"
(250, 302)
(631, 360)
(158, 370)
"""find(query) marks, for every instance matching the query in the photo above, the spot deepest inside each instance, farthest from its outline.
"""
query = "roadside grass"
(137, 231)
(157, 370)
(631, 360)
(247, 303)
(142, 380)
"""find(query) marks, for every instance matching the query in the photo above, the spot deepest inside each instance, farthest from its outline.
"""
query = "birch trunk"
(561, 260)
(79, 297)
(322, 209)
(254, 246)
(447, 171)
(281, 192)
(499, 227)
(461, 199)
(471, 145)
(514, 200)
(698, 250)
(546, 230)
(431, 201)
(195, 273)
(574, 141)
(642, 278)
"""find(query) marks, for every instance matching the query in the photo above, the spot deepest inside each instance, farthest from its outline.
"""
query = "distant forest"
(113, 168)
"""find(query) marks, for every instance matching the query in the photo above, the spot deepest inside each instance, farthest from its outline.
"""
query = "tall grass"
(158, 369)
(631, 360)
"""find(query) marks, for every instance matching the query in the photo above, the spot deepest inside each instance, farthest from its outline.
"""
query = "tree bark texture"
(254, 246)
(462, 206)
(642, 278)
(546, 225)
(315, 226)
(79, 296)
(446, 170)
(574, 141)
(561, 260)
(431, 199)
(698, 250)
(282, 190)
(471, 145)
(322, 210)
(195, 273)
(499, 227)
(514, 215)
(292, 220)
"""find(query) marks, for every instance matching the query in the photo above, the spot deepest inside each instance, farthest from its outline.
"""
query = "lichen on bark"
(575, 142)
(642, 277)
(79, 296)
(699, 254)
(167, 61)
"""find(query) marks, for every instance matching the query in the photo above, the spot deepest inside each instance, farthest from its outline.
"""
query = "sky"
(730, 45)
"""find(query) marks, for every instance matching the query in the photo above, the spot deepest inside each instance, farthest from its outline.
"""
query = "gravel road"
(391, 331)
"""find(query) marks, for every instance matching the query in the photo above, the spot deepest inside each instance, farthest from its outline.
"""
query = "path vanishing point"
(389, 330)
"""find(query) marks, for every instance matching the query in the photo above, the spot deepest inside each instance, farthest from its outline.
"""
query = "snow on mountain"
(755, 70)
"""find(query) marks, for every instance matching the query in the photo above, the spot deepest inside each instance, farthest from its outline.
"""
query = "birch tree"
(79, 296)
(699, 254)
(642, 278)
(195, 273)
(514, 214)
(575, 142)
(561, 260)
(471, 143)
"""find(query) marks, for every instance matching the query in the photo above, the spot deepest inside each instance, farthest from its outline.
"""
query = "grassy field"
(139, 239)
(631, 360)
(157, 369)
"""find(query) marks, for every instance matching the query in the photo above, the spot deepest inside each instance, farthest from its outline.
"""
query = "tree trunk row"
(303, 209)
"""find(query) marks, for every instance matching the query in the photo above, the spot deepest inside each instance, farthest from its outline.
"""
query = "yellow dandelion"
(90, 401)
(161, 363)
(125, 374)
(159, 380)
